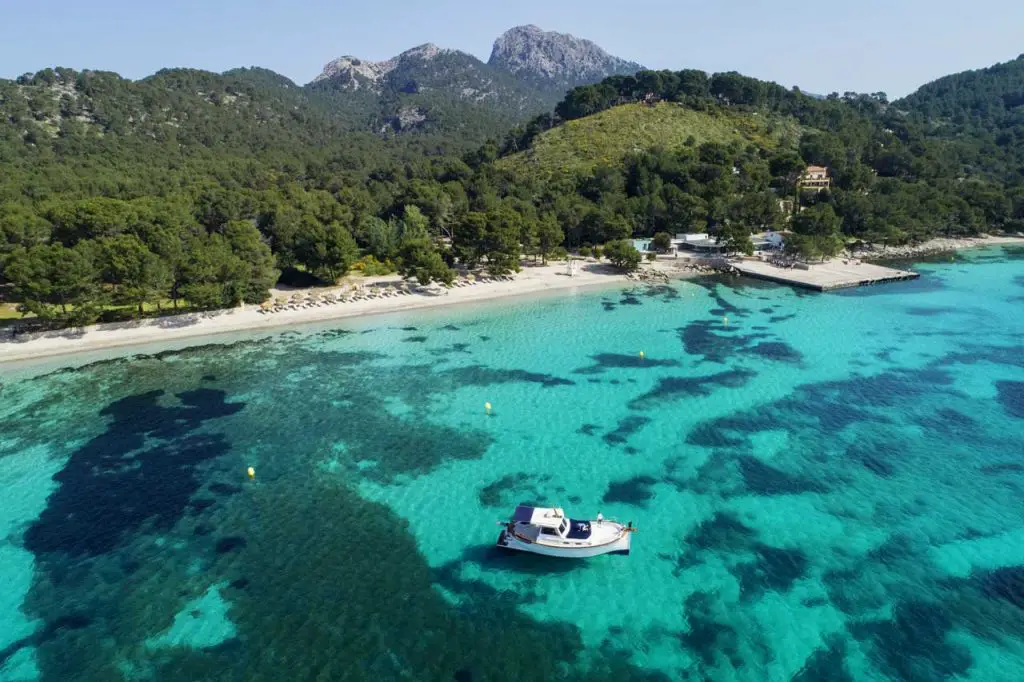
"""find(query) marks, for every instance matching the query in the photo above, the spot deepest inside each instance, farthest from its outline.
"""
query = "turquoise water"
(827, 487)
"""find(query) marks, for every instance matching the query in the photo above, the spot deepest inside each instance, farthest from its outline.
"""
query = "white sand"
(532, 280)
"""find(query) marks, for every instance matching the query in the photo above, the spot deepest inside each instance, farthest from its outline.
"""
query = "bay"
(827, 487)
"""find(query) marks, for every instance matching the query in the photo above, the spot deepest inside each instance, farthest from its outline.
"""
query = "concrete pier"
(828, 276)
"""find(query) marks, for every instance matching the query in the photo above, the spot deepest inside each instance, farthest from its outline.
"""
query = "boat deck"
(580, 535)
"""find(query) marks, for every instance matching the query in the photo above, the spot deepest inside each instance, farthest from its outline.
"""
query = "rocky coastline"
(882, 252)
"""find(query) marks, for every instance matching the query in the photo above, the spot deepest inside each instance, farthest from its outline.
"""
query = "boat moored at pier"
(548, 531)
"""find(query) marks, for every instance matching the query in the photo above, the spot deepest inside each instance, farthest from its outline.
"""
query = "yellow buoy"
(251, 472)
(642, 355)
(725, 321)
(487, 406)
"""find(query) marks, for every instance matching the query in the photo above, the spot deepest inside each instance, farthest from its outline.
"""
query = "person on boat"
(600, 517)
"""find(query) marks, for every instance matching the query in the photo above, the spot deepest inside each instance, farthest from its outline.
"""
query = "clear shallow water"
(828, 487)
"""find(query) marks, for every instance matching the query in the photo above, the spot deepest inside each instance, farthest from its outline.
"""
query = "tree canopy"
(199, 189)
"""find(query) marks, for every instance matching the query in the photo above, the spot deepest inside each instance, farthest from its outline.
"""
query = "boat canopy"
(544, 517)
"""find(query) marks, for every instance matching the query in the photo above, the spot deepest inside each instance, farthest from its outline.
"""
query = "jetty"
(827, 276)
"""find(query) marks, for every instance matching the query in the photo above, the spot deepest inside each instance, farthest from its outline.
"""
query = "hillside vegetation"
(198, 189)
(991, 98)
(579, 146)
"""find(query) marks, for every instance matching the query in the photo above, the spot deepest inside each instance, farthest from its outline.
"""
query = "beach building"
(699, 244)
(774, 238)
(769, 241)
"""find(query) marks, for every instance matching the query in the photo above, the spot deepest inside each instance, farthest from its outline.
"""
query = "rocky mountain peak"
(353, 73)
(425, 51)
(560, 58)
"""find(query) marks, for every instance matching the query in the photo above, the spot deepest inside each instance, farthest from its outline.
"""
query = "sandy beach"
(532, 280)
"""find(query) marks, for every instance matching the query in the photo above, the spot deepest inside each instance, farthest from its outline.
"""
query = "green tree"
(501, 240)
(756, 210)
(257, 274)
(662, 242)
(94, 218)
(816, 233)
(420, 259)
(20, 225)
(56, 283)
(381, 238)
(529, 239)
(215, 207)
(468, 241)
(209, 261)
(414, 224)
(736, 238)
(622, 254)
(137, 275)
(327, 251)
(549, 235)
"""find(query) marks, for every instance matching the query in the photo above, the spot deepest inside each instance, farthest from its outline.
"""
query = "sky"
(892, 46)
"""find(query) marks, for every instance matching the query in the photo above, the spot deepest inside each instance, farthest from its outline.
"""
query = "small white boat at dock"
(548, 531)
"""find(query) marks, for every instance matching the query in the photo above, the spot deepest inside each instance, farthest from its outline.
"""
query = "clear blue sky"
(865, 45)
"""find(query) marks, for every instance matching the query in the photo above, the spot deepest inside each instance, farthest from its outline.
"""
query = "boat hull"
(619, 546)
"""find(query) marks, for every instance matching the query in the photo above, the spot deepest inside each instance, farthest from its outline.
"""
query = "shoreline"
(182, 331)
(877, 252)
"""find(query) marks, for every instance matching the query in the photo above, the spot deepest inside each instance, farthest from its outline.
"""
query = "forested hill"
(78, 134)
(247, 108)
(196, 189)
(969, 125)
(989, 99)
(729, 143)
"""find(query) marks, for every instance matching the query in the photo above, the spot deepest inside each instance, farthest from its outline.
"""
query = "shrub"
(652, 256)
(586, 251)
(623, 254)
(662, 242)
(558, 253)
(371, 267)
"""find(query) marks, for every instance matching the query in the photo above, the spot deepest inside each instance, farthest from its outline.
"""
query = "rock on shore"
(932, 246)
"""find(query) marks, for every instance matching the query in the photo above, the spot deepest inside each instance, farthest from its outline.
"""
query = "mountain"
(425, 88)
(450, 91)
(244, 110)
(111, 136)
(555, 61)
(198, 187)
(989, 99)
(982, 108)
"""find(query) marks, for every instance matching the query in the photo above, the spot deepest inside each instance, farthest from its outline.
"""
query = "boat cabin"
(548, 523)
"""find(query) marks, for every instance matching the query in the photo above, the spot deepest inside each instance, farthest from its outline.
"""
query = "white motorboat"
(548, 531)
